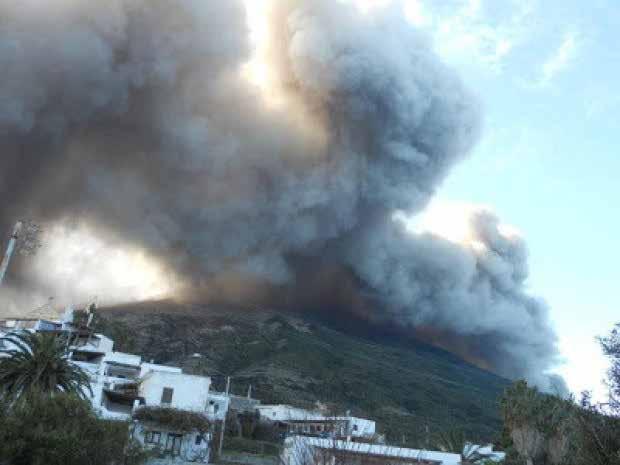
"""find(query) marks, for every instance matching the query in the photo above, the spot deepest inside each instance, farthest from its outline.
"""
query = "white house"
(218, 405)
(304, 450)
(169, 444)
(295, 420)
(121, 383)
(177, 390)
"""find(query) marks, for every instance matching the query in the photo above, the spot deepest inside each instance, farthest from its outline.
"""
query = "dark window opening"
(166, 395)
(173, 443)
(152, 437)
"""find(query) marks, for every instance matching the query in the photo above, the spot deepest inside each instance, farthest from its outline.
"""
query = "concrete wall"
(243, 404)
(121, 357)
(358, 427)
(217, 406)
(361, 427)
(190, 452)
(105, 344)
(286, 412)
(146, 367)
(189, 392)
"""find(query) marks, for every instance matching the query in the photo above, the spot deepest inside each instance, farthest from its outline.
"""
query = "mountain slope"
(411, 389)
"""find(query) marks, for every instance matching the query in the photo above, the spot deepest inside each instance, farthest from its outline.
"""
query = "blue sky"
(546, 73)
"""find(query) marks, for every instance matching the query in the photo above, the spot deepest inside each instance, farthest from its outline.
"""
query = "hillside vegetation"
(411, 389)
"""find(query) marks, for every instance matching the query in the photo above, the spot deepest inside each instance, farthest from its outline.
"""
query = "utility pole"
(10, 250)
(219, 449)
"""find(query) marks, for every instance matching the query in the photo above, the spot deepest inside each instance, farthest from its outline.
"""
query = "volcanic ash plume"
(195, 140)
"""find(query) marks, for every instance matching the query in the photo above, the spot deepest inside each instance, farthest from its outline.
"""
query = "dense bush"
(182, 421)
(251, 446)
(63, 430)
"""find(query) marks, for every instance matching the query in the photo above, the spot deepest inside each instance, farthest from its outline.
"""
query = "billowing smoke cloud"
(468, 297)
(157, 128)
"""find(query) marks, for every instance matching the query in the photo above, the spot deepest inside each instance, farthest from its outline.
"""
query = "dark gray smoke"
(136, 120)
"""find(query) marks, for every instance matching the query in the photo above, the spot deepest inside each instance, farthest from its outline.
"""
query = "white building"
(171, 445)
(293, 420)
(304, 450)
(121, 383)
(218, 405)
(484, 451)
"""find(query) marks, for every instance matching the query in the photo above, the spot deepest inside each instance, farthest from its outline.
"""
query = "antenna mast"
(10, 250)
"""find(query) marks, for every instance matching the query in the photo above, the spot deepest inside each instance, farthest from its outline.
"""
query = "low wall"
(240, 458)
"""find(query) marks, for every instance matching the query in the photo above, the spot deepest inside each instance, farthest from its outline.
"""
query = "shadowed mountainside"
(411, 389)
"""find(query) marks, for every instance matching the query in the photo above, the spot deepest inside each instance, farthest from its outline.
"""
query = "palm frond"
(39, 363)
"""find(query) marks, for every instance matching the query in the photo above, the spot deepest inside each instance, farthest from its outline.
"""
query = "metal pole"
(219, 449)
(10, 250)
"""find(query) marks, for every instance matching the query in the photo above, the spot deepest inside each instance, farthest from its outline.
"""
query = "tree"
(545, 429)
(611, 348)
(38, 363)
(541, 426)
(63, 430)
(597, 438)
(548, 430)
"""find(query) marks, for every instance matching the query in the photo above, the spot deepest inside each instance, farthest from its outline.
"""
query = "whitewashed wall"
(190, 392)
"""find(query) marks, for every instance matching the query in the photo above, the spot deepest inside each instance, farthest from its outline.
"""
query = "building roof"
(380, 450)
(297, 414)
(121, 357)
(174, 374)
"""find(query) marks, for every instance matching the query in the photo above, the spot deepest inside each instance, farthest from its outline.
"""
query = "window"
(152, 437)
(354, 427)
(166, 395)
(173, 443)
(198, 440)
(216, 407)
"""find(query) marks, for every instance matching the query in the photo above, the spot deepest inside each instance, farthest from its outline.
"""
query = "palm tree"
(38, 363)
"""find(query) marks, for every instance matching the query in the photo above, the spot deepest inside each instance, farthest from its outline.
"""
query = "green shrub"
(182, 421)
(250, 446)
(63, 430)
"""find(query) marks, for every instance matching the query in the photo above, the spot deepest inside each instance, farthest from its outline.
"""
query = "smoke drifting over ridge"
(153, 129)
